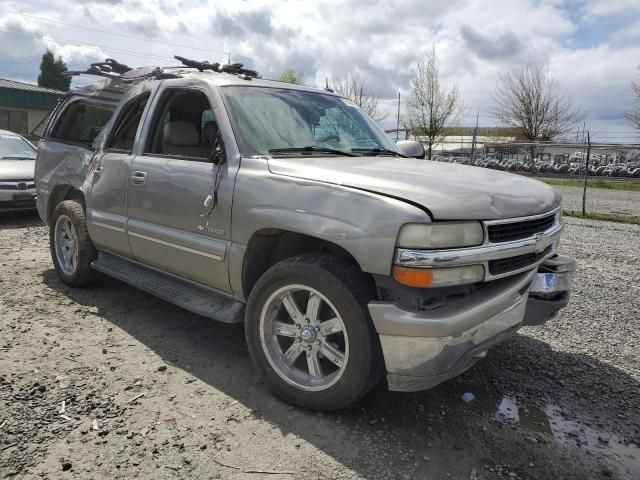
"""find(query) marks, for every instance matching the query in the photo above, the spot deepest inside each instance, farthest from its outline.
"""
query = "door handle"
(138, 178)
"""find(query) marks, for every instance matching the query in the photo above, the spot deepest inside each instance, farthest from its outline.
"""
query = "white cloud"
(381, 39)
(600, 8)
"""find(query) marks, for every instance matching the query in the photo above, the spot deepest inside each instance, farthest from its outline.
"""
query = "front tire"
(309, 332)
(71, 248)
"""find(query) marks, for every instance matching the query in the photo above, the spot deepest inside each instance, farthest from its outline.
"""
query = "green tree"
(290, 76)
(633, 115)
(51, 69)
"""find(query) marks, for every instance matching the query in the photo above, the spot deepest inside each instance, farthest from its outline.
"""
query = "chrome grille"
(504, 265)
(16, 184)
(508, 232)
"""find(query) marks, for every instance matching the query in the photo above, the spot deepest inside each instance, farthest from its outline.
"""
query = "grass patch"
(607, 217)
(592, 183)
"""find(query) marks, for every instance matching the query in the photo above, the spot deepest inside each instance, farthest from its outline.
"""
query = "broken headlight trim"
(441, 235)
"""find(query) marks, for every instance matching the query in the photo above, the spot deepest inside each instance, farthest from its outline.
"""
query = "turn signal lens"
(438, 277)
(413, 277)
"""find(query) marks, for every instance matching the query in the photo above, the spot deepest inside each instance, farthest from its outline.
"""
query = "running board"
(201, 300)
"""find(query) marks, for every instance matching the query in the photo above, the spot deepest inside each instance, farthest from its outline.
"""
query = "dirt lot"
(151, 391)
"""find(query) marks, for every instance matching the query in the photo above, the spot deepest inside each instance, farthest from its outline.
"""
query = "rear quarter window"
(81, 122)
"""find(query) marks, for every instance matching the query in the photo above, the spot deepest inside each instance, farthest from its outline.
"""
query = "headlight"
(438, 277)
(440, 235)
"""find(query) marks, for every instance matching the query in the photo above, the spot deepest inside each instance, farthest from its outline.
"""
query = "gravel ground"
(601, 200)
(151, 391)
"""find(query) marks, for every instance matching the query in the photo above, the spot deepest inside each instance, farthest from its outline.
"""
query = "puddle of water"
(508, 411)
(569, 432)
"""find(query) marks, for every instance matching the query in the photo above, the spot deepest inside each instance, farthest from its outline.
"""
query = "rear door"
(107, 192)
(173, 224)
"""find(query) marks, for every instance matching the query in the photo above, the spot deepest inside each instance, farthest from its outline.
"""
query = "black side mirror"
(217, 155)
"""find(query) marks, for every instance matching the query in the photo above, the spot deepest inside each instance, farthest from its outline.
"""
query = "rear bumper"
(422, 349)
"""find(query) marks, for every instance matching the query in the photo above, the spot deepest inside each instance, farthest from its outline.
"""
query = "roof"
(115, 87)
(15, 94)
(14, 85)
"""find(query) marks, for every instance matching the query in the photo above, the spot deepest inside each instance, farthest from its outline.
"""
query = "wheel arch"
(61, 193)
(269, 246)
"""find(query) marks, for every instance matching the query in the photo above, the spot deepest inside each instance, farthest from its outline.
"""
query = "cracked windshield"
(273, 120)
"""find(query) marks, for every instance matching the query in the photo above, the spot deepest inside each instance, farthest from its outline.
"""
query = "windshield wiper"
(378, 151)
(312, 148)
(17, 157)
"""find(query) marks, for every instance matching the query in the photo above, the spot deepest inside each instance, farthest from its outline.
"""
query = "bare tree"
(357, 89)
(634, 114)
(529, 100)
(431, 110)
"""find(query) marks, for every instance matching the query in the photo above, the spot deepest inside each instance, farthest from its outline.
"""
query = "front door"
(173, 223)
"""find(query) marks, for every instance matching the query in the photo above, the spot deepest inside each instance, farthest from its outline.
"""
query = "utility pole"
(475, 134)
(398, 122)
(229, 58)
(586, 175)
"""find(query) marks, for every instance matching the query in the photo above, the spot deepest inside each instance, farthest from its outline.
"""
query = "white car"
(17, 165)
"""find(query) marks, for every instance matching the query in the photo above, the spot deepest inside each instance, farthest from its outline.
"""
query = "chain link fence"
(596, 180)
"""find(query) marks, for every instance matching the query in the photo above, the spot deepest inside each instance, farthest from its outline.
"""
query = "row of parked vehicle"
(625, 166)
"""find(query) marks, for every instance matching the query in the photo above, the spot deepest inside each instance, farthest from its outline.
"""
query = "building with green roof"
(24, 106)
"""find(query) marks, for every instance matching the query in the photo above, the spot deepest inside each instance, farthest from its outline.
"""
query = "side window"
(184, 126)
(126, 125)
(81, 122)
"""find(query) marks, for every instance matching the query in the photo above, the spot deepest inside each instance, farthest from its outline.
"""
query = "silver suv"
(288, 209)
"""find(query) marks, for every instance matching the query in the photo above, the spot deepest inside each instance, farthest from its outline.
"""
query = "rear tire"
(327, 357)
(71, 248)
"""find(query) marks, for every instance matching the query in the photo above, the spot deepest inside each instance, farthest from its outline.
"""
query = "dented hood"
(448, 191)
(16, 169)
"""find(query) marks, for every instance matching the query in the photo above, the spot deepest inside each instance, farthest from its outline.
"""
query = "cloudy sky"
(592, 47)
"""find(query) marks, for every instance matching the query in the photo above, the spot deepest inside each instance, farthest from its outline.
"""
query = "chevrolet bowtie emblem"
(542, 242)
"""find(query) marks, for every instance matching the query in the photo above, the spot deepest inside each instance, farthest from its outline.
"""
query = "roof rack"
(233, 68)
(113, 69)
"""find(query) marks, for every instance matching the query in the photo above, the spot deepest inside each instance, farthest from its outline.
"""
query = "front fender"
(365, 224)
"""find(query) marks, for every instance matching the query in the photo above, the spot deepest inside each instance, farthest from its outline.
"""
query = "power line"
(85, 44)
(144, 39)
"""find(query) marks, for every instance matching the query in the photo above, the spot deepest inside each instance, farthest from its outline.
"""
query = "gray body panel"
(365, 224)
(107, 203)
(448, 191)
(168, 208)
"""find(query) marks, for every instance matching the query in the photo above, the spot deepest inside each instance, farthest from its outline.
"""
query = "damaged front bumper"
(424, 348)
